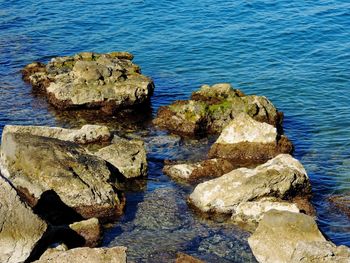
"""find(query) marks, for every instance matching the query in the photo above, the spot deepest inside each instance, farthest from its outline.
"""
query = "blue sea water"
(297, 53)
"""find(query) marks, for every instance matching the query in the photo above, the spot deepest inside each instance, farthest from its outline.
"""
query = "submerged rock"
(211, 108)
(90, 80)
(195, 171)
(285, 237)
(129, 157)
(342, 202)
(86, 134)
(20, 228)
(282, 178)
(40, 166)
(79, 255)
(90, 230)
(247, 140)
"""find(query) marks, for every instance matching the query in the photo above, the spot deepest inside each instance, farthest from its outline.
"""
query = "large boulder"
(129, 157)
(247, 140)
(38, 166)
(212, 108)
(282, 178)
(79, 255)
(86, 134)
(90, 230)
(20, 228)
(284, 237)
(198, 170)
(90, 80)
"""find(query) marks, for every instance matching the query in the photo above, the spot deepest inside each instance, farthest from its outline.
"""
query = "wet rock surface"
(78, 255)
(65, 164)
(282, 177)
(129, 157)
(20, 228)
(293, 237)
(90, 80)
(211, 108)
(246, 140)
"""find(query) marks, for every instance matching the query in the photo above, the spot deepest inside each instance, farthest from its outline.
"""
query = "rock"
(129, 157)
(212, 108)
(79, 255)
(284, 236)
(90, 80)
(20, 228)
(342, 202)
(282, 177)
(253, 211)
(194, 171)
(184, 258)
(320, 252)
(245, 139)
(39, 166)
(86, 134)
(90, 230)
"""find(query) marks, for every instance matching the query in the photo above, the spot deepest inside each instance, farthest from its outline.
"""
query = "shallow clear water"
(297, 53)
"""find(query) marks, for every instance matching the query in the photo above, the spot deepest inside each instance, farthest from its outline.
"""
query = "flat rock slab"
(86, 255)
(284, 236)
(247, 140)
(210, 109)
(86, 134)
(20, 228)
(37, 165)
(90, 80)
(282, 177)
(129, 157)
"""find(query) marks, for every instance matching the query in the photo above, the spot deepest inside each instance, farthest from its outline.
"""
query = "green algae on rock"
(90, 80)
(211, 108)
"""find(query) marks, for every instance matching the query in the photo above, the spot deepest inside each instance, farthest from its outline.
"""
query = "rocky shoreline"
(57, 191)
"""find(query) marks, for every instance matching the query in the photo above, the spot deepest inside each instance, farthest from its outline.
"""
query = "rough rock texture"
(37, 165)
(211, 108)
(194, 171)
(253, 211)
(86, 255)
(320, 252)
(282, 177)
(20, 228)
(284, 236)
(342, 202)
(91, 80)
(86, 134)
(90, 230)
(129, 157)
(245, 139)
(184, 258)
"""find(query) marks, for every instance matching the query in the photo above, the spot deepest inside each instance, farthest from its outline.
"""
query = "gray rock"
(282, 177)
(129, 157)
(20, 228)
(247, 140)
(86, 134)
(36, 165)
(284, 236)
(88, 255)
(90, 80)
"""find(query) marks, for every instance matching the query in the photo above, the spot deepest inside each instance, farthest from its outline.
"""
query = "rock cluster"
(212, 108)
(90, 80)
